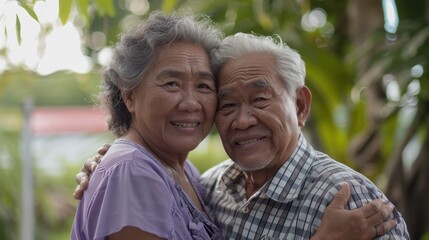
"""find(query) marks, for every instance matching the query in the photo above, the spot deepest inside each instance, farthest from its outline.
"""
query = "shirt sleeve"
(131, 194)
(362, 192)
(210, 177)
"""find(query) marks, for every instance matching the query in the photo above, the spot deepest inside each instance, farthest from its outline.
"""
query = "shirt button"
(245, 210)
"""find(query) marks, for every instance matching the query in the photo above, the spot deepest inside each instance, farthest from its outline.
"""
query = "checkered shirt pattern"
(291, 204)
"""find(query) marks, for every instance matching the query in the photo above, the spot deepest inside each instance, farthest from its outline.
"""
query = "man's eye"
(225, 105)
(259, 99)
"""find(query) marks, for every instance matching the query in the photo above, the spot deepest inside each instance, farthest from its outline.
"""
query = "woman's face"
(174, 106)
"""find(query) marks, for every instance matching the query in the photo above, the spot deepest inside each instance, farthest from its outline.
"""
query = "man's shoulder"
(210, 177)
(217, 170)
(326, 167)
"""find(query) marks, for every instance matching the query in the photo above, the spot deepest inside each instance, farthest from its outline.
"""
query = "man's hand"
(82, 178)
(367, 222)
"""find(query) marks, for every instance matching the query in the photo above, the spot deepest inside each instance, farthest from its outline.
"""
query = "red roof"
(60, 120)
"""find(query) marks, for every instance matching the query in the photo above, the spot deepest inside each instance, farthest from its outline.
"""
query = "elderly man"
(276, 186)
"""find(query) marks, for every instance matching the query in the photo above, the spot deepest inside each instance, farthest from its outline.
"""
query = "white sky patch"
(45, 53)
(104, 56)
(63, 52)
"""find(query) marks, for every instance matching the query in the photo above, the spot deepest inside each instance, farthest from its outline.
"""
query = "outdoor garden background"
(367, 67)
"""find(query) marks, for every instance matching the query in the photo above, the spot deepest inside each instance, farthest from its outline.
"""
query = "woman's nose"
(190, 101)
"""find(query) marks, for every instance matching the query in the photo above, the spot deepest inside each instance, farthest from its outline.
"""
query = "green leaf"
(168, 5)
(261, 15)
(29, 10)
(18, 29)
(106, 7)
(65, 7)
(82, 7)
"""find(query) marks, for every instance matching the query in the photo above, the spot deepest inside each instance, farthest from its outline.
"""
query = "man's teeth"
(249, 141)
(186, 125)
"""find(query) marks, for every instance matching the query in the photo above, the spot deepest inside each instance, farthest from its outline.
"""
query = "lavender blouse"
(131, 188)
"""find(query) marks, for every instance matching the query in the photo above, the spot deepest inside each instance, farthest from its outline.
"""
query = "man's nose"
(244, 119)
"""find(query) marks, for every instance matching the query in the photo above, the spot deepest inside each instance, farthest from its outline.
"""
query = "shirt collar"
(289, 180)
(233, 180)
(286, 183)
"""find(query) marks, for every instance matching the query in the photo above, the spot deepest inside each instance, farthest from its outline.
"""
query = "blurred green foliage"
(57, 89)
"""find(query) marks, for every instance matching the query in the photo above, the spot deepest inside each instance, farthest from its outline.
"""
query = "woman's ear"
(128, 98)
(303, 105)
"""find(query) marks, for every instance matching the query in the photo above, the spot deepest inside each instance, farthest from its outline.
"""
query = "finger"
(386, 226)
(97, 158)
(103, 149)
(93, 165)
(386, 210)
(371, 208)
(376, 234)
(341, 198)
(82, 179)
(381, 216)
(78, 192)
(88, 165)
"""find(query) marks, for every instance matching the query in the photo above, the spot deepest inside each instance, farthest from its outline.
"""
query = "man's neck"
(256, 180)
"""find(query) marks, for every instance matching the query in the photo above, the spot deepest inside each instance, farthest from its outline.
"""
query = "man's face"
(257, 119)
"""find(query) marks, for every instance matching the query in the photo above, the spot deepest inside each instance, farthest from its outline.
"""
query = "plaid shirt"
(291, 204)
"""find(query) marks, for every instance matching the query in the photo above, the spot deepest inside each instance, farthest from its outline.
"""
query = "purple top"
(131, 188)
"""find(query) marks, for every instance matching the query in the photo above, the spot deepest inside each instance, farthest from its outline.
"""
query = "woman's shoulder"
(129, 155)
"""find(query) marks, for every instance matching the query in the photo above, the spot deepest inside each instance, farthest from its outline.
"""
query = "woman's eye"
(206, 87)
(172, 84)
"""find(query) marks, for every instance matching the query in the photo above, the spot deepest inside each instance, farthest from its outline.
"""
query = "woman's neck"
(175, 161)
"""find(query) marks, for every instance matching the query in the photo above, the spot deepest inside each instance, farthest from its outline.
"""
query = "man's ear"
(128, 98)
(303, 104)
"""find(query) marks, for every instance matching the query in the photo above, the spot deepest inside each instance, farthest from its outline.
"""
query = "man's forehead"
(229, 89)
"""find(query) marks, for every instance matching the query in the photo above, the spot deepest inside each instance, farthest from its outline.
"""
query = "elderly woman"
(160, 94)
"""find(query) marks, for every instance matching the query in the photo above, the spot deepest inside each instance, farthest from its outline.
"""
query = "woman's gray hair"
(290, 66)
(136, 50)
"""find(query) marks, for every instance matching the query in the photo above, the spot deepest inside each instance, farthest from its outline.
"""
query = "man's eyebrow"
(261, 84)
(258, 84)
(222, 93)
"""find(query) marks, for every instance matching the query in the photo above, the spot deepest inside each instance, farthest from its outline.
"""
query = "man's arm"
(362, 223)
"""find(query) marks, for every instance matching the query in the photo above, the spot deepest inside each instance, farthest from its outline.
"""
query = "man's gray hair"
(135, 51)
(290, 66)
